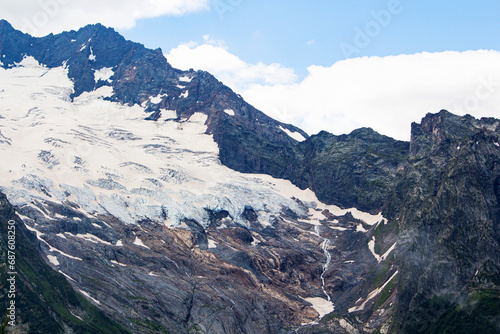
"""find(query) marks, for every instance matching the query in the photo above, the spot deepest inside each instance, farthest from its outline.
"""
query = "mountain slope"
(249, 141)
(142, 217)
(45, 302)
(97, 56)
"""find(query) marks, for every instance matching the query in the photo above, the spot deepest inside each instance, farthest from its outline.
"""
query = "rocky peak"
(5, 26)
(449, 221)
(442, 130)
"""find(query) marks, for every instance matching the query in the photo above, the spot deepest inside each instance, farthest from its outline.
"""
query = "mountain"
(447, 204)
(97, 57)
(173, 206)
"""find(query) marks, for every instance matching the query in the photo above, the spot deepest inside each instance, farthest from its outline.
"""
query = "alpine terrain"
(147, 199)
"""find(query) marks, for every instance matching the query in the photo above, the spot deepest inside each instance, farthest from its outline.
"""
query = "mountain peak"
(5, 26)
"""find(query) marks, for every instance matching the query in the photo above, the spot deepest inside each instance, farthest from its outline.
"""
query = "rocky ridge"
(447, 204)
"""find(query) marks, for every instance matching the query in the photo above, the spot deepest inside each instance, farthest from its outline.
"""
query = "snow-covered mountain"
(172, 205)
(139, 213)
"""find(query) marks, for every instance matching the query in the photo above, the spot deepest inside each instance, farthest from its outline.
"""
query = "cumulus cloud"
(213, 56)
(385, 93)
(42, 17)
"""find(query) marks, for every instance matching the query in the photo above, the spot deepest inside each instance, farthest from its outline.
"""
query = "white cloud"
(385, 93)
(42, 17)
(213, 56)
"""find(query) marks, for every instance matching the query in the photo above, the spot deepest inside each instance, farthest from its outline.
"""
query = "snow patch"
(157, 99)
(185, 94)
(90, 237)
(255, 242)
(75, 315)
(321, 305)
(185, 78)
(230, 112)
(371, 247)
(372, 295)
(212, 243)
(139, 242)
(91, 56)
(53, 260)
(389, 251)
(66, 276)
(118, 263)
(294, 135)
(368, 218)
(360, 228)
(53, 249)
(86, 294)
(104, 74)
(38, 233)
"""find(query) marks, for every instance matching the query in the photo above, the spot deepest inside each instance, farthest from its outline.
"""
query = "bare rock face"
(223, 278)
(355, 170)
(448, 246)
(43, 300)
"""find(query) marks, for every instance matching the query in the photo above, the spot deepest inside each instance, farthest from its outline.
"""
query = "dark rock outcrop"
(449, 215)
(355, 170)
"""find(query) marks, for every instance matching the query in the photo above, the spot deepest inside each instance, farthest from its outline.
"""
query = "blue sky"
(333, 65)
(298, 34)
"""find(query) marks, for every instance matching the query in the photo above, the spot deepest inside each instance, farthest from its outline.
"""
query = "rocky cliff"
(447, 204)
